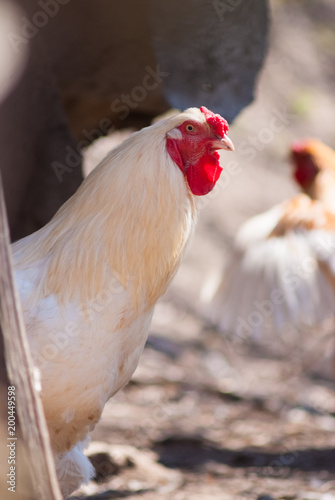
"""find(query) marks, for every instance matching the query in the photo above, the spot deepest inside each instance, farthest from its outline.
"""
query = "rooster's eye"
(191, 128)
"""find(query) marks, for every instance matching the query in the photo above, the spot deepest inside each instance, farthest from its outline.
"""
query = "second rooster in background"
(282, 269)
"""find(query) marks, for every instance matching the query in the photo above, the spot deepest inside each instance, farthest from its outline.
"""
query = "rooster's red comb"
(300, 146)
(218, 124)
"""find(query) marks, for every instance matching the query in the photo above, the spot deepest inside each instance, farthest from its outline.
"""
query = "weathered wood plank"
(21, 374)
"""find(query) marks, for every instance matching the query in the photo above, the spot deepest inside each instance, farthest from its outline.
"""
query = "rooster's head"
(193, 146)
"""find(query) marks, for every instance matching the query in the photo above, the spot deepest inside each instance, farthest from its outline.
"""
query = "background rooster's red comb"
(299, 146)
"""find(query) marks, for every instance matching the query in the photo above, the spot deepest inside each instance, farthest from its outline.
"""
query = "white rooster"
(282, 268)
(89, 279)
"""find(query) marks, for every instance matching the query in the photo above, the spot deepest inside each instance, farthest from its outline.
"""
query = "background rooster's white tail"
(271, 282)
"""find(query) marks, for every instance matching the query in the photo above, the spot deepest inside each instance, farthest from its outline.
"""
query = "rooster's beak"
(224, 143)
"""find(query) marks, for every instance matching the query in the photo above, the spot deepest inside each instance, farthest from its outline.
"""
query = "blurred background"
(205, 415)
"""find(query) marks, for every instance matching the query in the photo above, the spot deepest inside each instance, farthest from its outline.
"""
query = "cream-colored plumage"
(90, 278)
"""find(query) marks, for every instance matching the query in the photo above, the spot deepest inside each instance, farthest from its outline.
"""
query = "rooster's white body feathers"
(281, 271)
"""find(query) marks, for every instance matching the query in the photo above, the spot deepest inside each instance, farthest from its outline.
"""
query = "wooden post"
(20, 372)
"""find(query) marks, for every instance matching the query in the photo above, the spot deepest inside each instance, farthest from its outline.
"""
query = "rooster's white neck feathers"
(132, 216)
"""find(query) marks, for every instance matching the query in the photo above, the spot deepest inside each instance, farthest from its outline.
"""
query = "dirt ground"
(207, 417)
